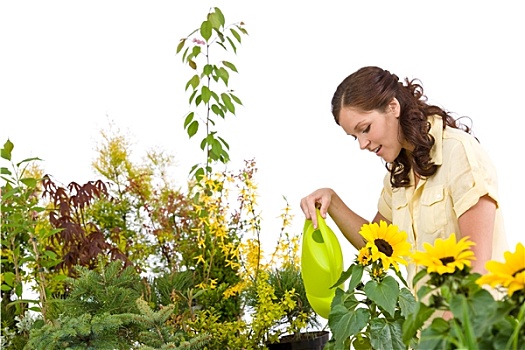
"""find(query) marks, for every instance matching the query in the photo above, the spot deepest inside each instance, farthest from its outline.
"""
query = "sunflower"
(364, 258)
(386, 243)
(510, 274)
(445, 256)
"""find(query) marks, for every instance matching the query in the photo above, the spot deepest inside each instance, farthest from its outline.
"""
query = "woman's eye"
(366, 130)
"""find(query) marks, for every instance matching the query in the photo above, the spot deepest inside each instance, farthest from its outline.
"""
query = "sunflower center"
(447, 260)
(519, 271)
(384, 247)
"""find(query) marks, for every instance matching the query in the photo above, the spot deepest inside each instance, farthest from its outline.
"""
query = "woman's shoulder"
(452, 135)
(460, 145)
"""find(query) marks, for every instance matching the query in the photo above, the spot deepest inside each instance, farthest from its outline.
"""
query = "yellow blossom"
(386, 243)
(199, 259)
(510, 274)
(446, 255)
(364, 258)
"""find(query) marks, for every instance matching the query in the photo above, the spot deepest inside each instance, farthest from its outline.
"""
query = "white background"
(68, 68)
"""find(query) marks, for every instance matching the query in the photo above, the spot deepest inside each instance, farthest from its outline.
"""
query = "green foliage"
(371, 312)
(188, 242)
(108, 289)
(217, 102)
(104, 310)
(26, 261)
(479, 320)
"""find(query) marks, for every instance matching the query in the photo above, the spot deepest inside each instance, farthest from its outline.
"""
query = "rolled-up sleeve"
(472, 175)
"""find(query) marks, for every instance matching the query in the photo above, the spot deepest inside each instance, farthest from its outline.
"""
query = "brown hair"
(373, 88)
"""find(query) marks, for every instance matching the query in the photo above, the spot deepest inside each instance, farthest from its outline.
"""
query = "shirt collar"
(436, 130)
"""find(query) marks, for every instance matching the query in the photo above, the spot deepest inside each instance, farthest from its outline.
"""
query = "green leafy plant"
(217, 102)
(25, 259)
(104, 310)
(370, 313)
(455, 312)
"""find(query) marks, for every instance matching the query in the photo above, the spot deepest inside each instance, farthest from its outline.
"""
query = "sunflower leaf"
(407, 302)
(385, 334)
(344, 276)
(384, 293)
(345, 323)
(415, 321)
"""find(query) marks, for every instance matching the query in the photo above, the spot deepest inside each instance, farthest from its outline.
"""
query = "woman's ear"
(395, 107)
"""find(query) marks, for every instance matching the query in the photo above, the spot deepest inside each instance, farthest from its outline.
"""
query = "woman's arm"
(348, 222)
(478, 224)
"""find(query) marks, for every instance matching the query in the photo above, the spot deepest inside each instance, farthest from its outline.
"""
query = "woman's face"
(376, 131)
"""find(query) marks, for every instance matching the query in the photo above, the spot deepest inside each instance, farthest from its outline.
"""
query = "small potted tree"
(299, 320)
(282, 317)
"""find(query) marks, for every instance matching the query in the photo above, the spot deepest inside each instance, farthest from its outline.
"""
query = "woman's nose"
(363, 142)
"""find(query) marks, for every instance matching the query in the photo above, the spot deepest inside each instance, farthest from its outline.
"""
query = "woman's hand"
(320, 199)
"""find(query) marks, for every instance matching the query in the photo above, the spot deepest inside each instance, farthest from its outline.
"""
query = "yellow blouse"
(431, 209)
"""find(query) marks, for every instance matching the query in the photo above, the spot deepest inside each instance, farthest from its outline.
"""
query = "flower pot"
(305, 341)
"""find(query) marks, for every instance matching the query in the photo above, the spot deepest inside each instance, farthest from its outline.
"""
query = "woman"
(439, 180)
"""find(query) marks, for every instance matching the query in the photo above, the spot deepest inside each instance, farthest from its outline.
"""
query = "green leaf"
(6, 151)
(185, 54)
(419, 276)
(236, 34)
(207, 70)
(220, 15)
(344, 276)
(350, 301)
(206, 94)
(59, 278)
(189, 119)
(407, 302)
(216, 19)
(193, 94)
(220, 41)
(9, 278)
(216, 97)
(384, 293)
(236, 99)
(400, 276)
(436, 336)
(195, 51)
(466, 327)
(181, 44)
(224, 75)
(192, 64)
(216, 149)
(223, 141)
(193, 128)
(5, 171)
(232, 44)
(242, 30)
(357, 275)
(203, 144)
(198, 100)
(217, 110)
(344, 323)
(29, 182)
(230, 65)
(228, 102)
(423, 291)
(193, 82)
(386, 335)
(415, 321)
(206, 30)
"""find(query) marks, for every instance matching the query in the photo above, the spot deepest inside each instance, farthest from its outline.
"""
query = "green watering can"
(321, 264)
